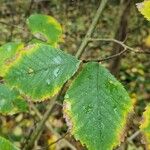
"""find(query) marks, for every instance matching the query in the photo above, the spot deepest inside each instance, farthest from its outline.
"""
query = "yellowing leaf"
(96, 108)
(8, 53)
(41, 71)
(144, 8)
(145, 126)
(45, 27)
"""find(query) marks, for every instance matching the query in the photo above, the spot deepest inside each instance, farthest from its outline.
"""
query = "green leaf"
(45, 27)
(96, 107)
(11, 101)
(144, 8)
(145, 126)
(6, 145)
(8, 53)
(41, 71)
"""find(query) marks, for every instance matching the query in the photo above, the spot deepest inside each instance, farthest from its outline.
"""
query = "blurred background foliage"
(75, 17)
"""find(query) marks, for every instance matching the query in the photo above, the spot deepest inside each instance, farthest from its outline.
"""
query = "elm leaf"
(41, 71)
(96, 107)
(45, 27)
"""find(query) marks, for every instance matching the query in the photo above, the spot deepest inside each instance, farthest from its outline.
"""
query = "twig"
(120, 43)
(78, 55)
(91, 29)
(49, 145)
(40, 127)
(131, 138)
(106, 58)
(9, 24)
(28, 11)
(39, 115)
(58, 140)
(126, 48)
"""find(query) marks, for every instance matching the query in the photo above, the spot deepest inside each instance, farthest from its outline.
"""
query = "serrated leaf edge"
(29, 52)
(70, 120)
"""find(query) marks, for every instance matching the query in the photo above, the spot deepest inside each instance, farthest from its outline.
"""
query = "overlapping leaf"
(10, 101)
(144, 8)
(96, 107)
(8, 54)
(6, 145)
(145, 126)
(46, 27)
(41, 71)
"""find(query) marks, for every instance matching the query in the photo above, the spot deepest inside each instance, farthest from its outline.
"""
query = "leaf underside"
(10, 101)
(145, 126)
(96, 107)
(6, 145)
(41, 71)
(8, 54)
(144, 8)
(45, 27)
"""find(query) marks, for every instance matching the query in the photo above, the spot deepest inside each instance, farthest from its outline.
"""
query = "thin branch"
(49, 145)
(131, 138)
(120, 43)
(91, 29)
(126, 48)
(28, 11)
(11, 25)
(40, 127)
(106, 58)
(50, 128)
(58, 140)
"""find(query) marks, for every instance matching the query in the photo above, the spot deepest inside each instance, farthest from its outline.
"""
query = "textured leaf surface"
(41, 71)
(8, 54)
(43, 26)
(96, 107)
(10, 101)
(6, 145)
(145, 126)
(144, 8)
